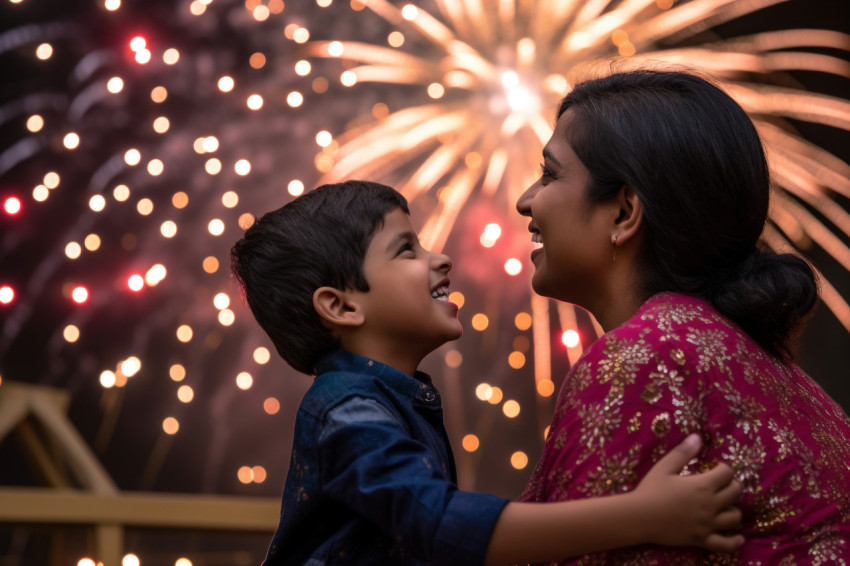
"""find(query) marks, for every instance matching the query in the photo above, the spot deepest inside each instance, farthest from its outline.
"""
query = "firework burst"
(501, 65)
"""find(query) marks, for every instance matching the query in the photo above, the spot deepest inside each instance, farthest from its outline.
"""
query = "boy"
(339, 281)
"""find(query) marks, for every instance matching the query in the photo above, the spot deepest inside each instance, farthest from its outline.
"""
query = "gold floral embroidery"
(561, 439)
(579, 378)
(678, 356)
(651, 394)
(746, 411)
(784, 437)
(661, 424)
(691, 417)
(746, 460)
(612, 475)
(711, 350)
(597, 425)
(634, 422)
(557, 482)
(828, 546)
(773, 509)
(671, 316)
(620, 364)
(667, 378)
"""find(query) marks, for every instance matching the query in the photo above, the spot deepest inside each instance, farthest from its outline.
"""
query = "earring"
(614, 245)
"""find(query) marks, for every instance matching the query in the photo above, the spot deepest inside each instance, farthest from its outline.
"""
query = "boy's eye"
(407, 247)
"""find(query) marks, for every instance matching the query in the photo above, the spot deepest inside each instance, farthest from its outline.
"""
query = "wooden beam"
(139, 509)
(109, 544)
(43, 463)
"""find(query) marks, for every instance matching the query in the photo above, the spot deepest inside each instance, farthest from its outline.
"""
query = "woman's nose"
(523, 203)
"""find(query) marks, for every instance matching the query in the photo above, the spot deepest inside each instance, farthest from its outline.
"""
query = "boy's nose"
(442, 262)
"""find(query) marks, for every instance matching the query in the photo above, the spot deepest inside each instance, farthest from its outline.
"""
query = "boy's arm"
(370, 463)
(665, 509)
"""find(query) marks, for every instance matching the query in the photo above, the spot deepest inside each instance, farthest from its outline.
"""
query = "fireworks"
(141, 138)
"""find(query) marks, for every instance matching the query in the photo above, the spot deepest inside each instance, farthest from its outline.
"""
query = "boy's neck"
(405, 362)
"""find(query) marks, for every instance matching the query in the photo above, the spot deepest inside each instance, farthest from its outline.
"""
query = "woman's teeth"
(536, 240)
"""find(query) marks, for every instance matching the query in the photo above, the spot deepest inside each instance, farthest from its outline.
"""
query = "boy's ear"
(629, 214)
(335, 307)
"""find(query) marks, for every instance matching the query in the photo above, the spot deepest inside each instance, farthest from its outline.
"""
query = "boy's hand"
(691, 510)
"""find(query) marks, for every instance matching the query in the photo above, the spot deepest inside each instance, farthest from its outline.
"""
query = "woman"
(652, 197)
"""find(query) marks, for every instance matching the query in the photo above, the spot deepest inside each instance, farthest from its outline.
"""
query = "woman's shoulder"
(675, 313)
(688, 322)
(685, 329)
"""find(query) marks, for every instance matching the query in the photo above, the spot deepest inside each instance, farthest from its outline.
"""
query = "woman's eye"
(546, 172)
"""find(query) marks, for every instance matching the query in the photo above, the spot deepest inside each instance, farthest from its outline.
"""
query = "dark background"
(225, 428)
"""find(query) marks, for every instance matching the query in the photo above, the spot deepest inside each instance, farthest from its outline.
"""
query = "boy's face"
(407, 306)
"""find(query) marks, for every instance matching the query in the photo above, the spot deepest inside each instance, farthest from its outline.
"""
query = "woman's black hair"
(695, 160)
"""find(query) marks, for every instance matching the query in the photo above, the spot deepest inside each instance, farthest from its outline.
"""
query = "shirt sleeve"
(371, 463)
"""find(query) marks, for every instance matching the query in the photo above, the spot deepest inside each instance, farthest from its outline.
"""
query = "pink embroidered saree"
(679, 367)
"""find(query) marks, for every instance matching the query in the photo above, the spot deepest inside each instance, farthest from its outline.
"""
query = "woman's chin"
(540, 284)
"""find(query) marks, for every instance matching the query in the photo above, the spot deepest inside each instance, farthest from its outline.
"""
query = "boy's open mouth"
(441, 293)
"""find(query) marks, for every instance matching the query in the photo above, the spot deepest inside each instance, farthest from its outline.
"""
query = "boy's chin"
(453, 334)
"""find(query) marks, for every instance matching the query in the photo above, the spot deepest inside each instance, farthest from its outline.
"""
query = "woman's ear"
(335, 308)
(630, 215)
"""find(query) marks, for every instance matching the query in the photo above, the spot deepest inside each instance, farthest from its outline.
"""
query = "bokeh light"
(12, 205)
(79, 294)
(511, 409)
(244, 380)
(271, 406)
(7, 294)
(170, 425)
(480, 322)
(519, 460)
(470, 443)
(570, 338)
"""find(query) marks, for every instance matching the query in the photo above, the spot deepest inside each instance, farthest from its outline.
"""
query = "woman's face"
(574, 253)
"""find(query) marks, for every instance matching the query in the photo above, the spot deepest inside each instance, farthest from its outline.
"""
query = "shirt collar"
(418, 387)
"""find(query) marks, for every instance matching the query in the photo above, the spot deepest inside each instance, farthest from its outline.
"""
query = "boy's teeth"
(441, 294)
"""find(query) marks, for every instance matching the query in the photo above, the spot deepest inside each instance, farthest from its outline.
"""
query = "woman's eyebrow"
(549, 156)
(399, 238)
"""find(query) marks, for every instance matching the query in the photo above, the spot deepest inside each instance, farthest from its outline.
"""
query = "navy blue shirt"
(372, 478)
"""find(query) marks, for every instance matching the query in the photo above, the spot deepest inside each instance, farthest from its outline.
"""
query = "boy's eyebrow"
(548, 155)
(399, 238)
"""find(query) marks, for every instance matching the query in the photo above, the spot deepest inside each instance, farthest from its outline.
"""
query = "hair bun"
(769, 295)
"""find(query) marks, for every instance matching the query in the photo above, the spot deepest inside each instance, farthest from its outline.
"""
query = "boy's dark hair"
(696, 162)
(319, 239)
